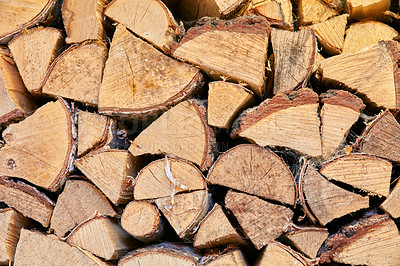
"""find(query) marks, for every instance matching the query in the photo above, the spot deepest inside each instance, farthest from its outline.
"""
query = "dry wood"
(362, 171)
(165, 177)
(181, 131)
(78, 201)
(275, 121)
(254, 170)
(225, 101)
(185, 211)
(41, 148)
(235, 49)
(373, 73)
(313, 12)
(103, 237)
(233, 257)
(373, 240)
(254, 214)
(339, 6)
(216, 230)
(15, 101)
(391, 204)
(294, 57)
(277, 12)
(33, 51)
(112, 171)
(142, 220)
(139, 80)
(367, 9)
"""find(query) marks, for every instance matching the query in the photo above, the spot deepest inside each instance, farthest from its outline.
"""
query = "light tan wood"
(318, 61)
(181, 131)
(391, 204)
(314, 11)
(279, 11)
(112, 171)
(367, 9)
(77, 72)
(339, 6)
(232, 257)
(78, 201)
(254, 170)
(33, 51)
(139, 80)
(235, 49)
(260, 220)
(307, 240)
(276, 253)
(362, 171)
(225, 101)
(185, 211)
(275, 120)
(41, 148)
(166, 177)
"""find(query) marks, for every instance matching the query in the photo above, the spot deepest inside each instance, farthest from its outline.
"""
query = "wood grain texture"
(233, 257)
(276, 253)
(308, 240)
(391, 204)
(314, 11)
(277, 12)
(364, 9)
(190, 10)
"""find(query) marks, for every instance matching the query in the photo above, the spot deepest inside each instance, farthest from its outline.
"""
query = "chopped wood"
(112, 171)
(233, 257)
(260, 220)
(225, 101)
(277, 12)
(185, 211)
(83, 20)
(141, 80)
(33, 51)
(41, 148)
(181, 131)
(216, 230)
(275, 120)
(367, 9)
(362, 171)
(254, 170)
(103, 237)
(142, 220)
(314, 11)
(294, 57)
(165, 177)
(78, 202)
(235, 49)
(391, 204)
(318, 61)
(339, 6)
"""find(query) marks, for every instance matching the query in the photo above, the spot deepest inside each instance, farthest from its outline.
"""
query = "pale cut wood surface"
(367, 9)
(314, 11)
(308, 240)
(279, 10)
(233, 258)
(391, 204)
(276, 253)
(40, 149)
(190, 10)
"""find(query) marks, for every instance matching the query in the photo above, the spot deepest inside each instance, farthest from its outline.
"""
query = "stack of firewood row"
(199, 132)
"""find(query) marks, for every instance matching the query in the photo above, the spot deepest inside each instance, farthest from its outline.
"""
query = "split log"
(112, 171)
(274, 120)
(362, 171)
(339, 6)
(391, 204)
(363, 9)
(314, 11)
(277, 12)
(33, 51)
(373, 73)
(235, 49)
(181, 131)
(254, 170)
(165, 177)
(233, 257)
(318, 61)
(41, 148)
(216, 230)
(77, 73)
(141, 81)
(103, 237)
(225, 101)
(261, 221)
(15, 101)
(78, 202)
(294, 57)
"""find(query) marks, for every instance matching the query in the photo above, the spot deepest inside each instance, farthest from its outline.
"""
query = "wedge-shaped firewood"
(276, 12)
(142, 220)
(236, 49)
(141, 80)
(77, 72)
(373, 240)
(185, 211)
(78, 201)
(378, 83)
(181, 131)
(15, 101)
(165, 177)
(216, 230)
(27, 200)
(112, 171)
(33, 51)
(276, 253)
(362, 171)
(103, 237)
(274, 120)
(391, 204)
(261, 221)
(254, 170)
(41, 148)
(340, 111)
(294, 57)
(233, 257)
(314, 11)
(225, 101)
(365, 9)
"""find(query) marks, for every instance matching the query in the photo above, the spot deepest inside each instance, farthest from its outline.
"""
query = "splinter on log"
(277, 12)
(391, 204)
(233, 257)
(314, 11)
